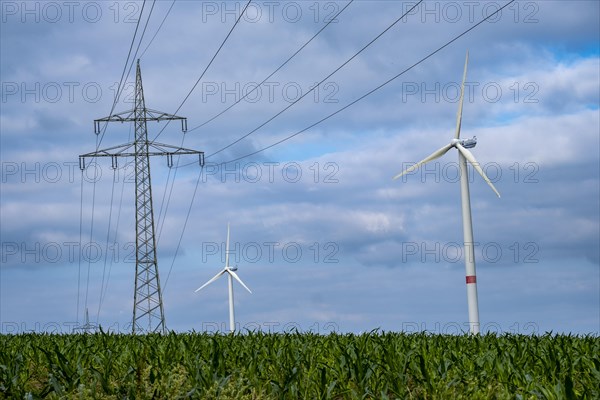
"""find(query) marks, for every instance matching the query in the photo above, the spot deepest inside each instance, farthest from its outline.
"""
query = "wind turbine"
(464, 155)
(231, 275)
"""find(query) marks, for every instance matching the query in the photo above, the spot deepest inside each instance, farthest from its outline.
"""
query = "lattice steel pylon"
(147, 298)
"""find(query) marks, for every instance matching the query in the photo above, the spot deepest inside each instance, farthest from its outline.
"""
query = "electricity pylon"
(147, 297)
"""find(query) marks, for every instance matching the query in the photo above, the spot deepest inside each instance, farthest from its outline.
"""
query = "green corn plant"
(292, 365)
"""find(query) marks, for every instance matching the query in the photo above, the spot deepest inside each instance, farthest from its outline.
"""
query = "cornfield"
(376, 365)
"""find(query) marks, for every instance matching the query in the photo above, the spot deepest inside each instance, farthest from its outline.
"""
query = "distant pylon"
(147, 297)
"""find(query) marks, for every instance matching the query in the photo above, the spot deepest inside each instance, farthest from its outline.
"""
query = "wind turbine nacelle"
(469, 143)
(234, 268)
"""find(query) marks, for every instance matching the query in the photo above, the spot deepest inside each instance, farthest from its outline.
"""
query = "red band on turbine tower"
(471, 279)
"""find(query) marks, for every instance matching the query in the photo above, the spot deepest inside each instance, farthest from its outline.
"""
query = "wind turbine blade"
(214, 278)
(227, 249)
(237, 278)
(469, 156)
(462, 96)
(432, 157)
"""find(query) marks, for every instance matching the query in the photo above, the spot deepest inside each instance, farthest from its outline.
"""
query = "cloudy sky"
(323, 236)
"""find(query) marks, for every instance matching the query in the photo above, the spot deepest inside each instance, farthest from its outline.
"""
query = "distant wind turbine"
(87, 327)
(231, 274)
(464, 155)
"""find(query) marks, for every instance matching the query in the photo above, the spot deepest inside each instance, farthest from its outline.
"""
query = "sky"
(320, 232)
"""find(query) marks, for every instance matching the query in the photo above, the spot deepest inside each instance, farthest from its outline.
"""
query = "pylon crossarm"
(128, 150)
(114, 152)
(110, 151)
(118, 117)
(168, 149)
(149, 115)
(155, 115)
(129, 115)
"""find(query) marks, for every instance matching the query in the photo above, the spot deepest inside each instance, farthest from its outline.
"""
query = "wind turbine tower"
(148, 310)
(230, 271)
(464, 155)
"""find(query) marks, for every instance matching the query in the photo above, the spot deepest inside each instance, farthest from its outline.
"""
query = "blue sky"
(323, 236)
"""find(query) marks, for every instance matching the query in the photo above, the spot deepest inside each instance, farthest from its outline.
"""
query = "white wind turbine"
(231, 275)
(464, 155)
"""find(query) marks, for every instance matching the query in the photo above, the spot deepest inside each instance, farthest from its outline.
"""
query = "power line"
(103, 293)
(80, 239)
(318, 84)
(373, 90)
(274, 72)
(184, 226)
(161, 222)
(110, 212)
(139, 44)
(206, 69)
(87, 286)
(144, 32)
(159, 27)
(104, 287)
(119, 86)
